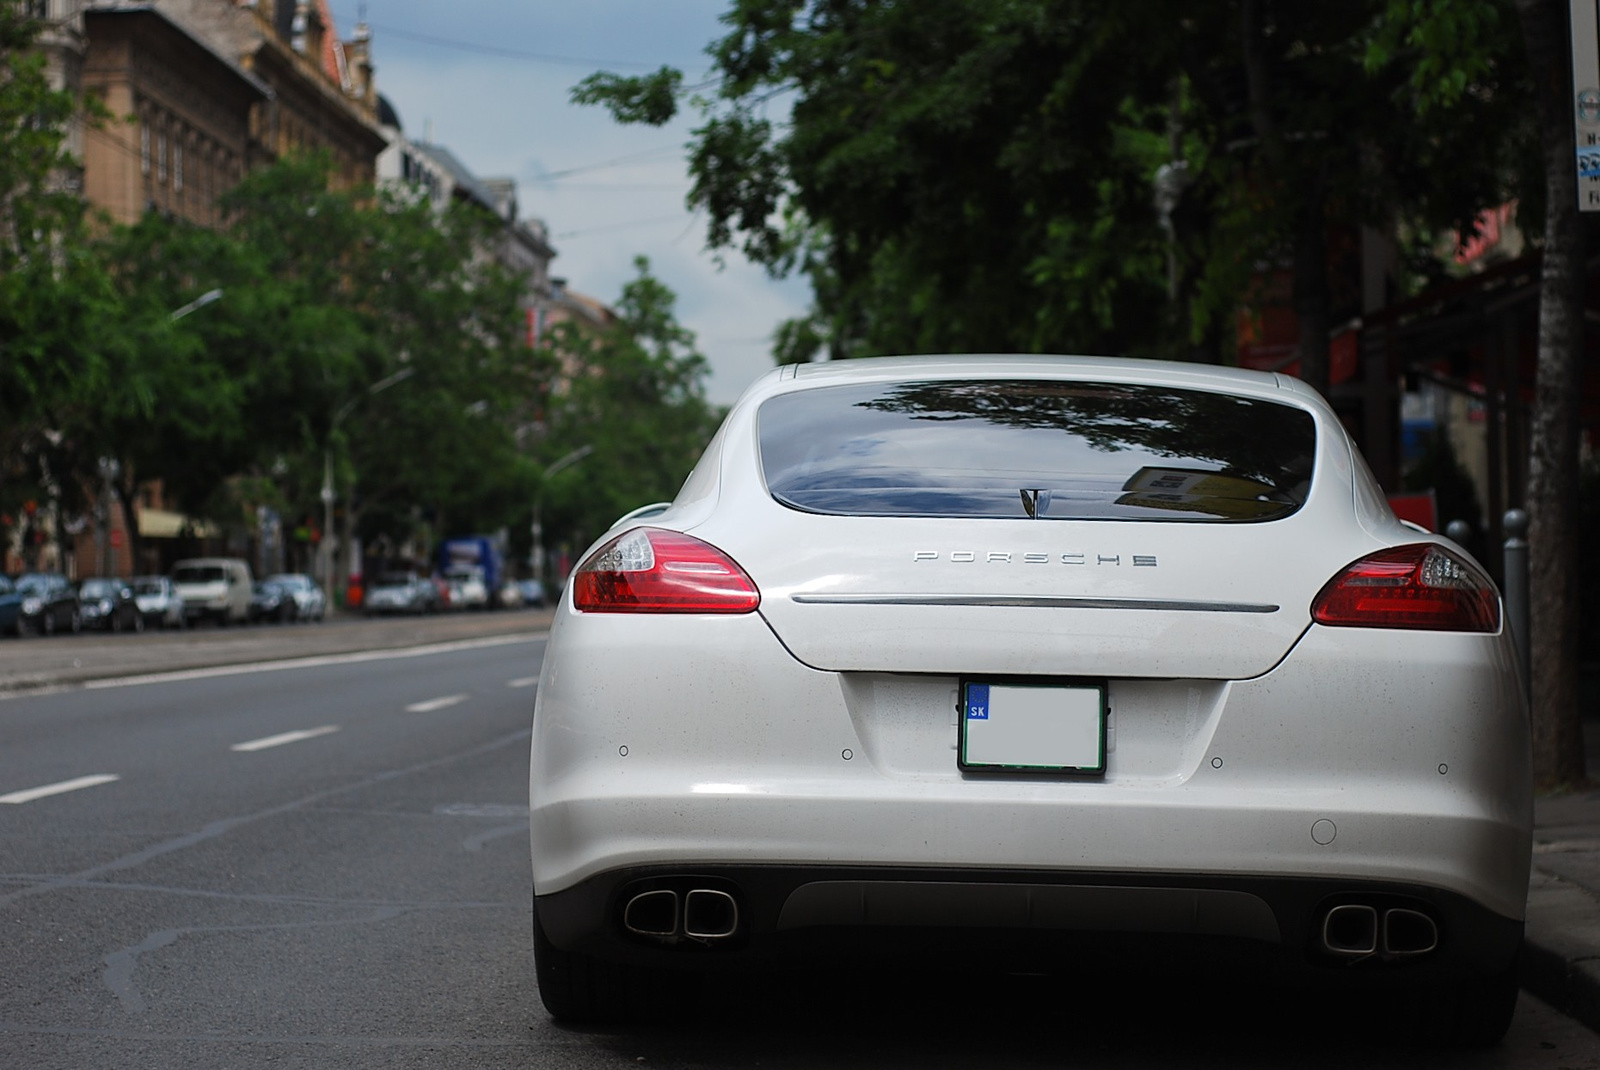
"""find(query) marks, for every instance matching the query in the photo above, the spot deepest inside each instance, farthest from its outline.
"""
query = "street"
(326, 865)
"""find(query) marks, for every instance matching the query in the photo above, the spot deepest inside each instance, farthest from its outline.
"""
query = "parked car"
(309, 601)
(159, 601)
(47, 603)
(10, 606)
(467, 587)
(400, 592)
(273, 602)
(1031, 653)
(215, 588)
(109, 605)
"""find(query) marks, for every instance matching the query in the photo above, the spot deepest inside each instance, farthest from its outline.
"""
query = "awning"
(162, 524)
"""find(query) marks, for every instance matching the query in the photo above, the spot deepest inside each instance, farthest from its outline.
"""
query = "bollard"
(1516, 560)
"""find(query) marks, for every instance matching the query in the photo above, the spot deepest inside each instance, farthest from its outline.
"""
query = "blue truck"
(459, 557)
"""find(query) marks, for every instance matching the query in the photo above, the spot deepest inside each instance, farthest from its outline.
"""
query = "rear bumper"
(1356, 764)
(1029, 919)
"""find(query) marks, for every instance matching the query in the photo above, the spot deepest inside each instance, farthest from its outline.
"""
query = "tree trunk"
(1558, 756)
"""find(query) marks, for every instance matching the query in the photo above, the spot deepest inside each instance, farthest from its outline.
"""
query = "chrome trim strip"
(1031, 602)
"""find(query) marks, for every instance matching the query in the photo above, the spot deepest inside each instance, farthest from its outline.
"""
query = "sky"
(490, 81)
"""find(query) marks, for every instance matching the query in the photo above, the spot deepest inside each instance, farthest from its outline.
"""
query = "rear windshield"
(147, 587)
(1045, 449)
(392, 579)
(97, 589)
(199, 574)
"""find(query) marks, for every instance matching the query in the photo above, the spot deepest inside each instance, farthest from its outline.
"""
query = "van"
(214, 587)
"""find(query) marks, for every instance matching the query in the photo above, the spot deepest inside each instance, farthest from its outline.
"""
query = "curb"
(1561, 950)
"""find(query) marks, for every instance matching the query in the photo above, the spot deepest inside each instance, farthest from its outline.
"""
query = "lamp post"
(199, 302)
(561, 463)
(327, 473)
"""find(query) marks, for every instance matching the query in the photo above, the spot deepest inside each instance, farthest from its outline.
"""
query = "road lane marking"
(435, 704)
(312, 662)
(18, 797)
(523, 681)
(286, 737)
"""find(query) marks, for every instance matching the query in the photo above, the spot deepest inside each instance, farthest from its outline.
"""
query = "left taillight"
(1423, 586)
(654, 570)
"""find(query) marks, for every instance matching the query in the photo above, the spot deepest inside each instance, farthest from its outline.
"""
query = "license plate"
(1033, 727)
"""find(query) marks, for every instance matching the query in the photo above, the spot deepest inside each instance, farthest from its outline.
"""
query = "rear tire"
(580, 989)
(1474, 1013)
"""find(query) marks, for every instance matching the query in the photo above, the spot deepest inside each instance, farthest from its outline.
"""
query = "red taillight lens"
(653, 570)
(1422, 586)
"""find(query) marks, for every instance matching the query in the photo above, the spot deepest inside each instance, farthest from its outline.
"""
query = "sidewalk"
(1561, 961)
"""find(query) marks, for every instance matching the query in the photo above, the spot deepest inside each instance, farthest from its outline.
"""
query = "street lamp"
(199, 302)
(551, 469)
(327, 471)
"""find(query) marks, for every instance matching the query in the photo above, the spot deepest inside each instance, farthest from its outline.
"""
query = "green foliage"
(979, 175)
(56, 311)
(634, 394)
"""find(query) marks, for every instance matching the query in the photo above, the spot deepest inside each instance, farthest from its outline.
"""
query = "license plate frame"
(1038, 727)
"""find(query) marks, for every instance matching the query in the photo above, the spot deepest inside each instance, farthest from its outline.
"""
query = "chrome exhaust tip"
(652, 913)
(1350, 930)
(709, 914)
(1407, 933)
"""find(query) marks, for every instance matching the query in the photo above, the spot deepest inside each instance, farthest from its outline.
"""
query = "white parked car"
(1049, 651)
(309, 601)
(215, 587)
(467, 587)
(159, 601)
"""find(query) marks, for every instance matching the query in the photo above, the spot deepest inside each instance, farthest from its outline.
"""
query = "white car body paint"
(821, 731)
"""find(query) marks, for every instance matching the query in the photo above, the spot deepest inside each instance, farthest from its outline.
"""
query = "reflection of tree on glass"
(1042, 449)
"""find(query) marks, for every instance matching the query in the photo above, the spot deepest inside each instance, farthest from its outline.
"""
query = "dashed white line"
(435, 704)
(523, 681)
(18, 797)
(286, 737)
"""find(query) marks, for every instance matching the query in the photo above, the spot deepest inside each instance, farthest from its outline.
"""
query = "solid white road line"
(314, 661)
(435, 704)
(523, 681)
(17, 797)
(286, 737)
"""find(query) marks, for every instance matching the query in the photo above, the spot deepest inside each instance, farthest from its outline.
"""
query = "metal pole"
(1516, 561)
(323, 545)
(558, 465)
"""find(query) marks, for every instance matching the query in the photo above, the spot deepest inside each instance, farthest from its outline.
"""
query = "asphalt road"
(325, 864)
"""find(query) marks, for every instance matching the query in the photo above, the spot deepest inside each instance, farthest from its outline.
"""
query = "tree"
(55, 302)
(1553, 467)
(327, 292)
(633, 393)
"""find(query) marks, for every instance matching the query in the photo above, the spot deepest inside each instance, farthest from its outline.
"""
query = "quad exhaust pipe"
(1359, 930)
(704, 915)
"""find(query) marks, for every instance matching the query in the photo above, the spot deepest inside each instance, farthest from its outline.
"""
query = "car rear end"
(1033, 652)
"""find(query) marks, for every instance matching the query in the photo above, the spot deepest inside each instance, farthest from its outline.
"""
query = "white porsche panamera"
(1036, 654)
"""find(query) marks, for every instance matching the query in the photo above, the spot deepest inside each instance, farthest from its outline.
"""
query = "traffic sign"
(1586, 101)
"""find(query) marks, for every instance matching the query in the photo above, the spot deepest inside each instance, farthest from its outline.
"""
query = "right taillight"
(1423, 586)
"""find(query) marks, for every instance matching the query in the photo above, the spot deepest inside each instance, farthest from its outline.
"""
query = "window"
(144, 146)
(177, 166)
(161, 157)
(1049, 449)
